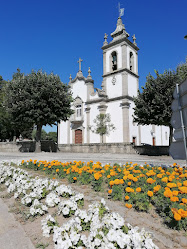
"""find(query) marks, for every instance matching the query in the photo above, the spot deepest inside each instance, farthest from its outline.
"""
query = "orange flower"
(111, 183)
(168, 193)
(57, 170)
(135, 179)
(128, 205)
(150, 193)
(127, 197)
(185, 183)
(74, 178)
(110, 191)
(184, 200)
(150, 180)
(174, 198)
(138, 189)
(108, 176)
(156, 188)
(177, 216)
(129, 190)
(165, 179)
(129, 183)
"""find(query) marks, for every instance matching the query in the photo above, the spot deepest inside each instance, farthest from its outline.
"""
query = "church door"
(78, 136)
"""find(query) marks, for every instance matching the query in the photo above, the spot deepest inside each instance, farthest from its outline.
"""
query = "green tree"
(52, 135)
(6, 128)
(153, 104)
(38, 99)
(102, 125)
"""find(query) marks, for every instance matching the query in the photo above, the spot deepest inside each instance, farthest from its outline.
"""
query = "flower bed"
(138, 186)
(106, 229)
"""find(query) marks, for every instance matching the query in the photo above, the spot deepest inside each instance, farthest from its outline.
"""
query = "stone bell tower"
(120, 72)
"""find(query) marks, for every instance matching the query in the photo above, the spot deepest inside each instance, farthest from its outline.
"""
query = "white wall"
(132, 86)
(115, 111)
(94, 138)
(114, 90)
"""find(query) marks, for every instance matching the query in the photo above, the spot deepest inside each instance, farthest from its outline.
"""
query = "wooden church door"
(78, 136)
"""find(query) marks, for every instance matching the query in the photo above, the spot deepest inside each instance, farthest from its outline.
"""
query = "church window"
(114, 61)
(79, 110)
(131, 61)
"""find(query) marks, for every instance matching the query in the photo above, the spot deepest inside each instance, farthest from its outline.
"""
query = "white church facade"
(120, 84)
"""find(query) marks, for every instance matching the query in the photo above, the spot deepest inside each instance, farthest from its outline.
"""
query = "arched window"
(114, 61)
(131, 61)
(79, 110)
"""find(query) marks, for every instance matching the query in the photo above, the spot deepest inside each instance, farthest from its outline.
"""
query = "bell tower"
(120, 74)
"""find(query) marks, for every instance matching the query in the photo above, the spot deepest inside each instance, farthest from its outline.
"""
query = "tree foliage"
(38, 99)
(153, 104)
(102, 125)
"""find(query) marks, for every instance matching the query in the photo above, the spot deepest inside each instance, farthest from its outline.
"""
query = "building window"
(79, 110)
(114, 61)
(131, 61)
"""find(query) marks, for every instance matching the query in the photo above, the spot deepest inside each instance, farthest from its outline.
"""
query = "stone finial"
(70, 78)
(89, 71)
(105, 37)
(134, 40)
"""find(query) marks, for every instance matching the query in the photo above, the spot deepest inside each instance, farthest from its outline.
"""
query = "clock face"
(113, 80)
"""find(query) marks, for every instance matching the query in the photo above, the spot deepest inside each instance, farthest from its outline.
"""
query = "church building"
(120, 84)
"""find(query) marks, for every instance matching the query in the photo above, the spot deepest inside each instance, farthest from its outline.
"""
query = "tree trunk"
(170, 135)
(38, 138)
(102, 138)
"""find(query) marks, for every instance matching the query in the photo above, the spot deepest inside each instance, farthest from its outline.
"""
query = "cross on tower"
(79, 61)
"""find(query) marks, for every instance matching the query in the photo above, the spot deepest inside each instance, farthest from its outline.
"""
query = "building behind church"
(120, 84)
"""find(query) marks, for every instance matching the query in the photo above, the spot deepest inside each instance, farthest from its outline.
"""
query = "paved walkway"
(12, 235)
(102, 157)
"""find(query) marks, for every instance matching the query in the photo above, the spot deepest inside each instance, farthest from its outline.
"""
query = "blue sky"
(52, 35)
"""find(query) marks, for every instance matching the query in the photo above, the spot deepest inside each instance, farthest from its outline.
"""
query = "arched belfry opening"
(114, 61)
(131, 61)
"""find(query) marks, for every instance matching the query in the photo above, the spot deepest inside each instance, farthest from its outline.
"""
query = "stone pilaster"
(104, 62)
(139, 134)
(68, 132)
(124, 83)
(124, 55)
(137, 63)
(87, 110)
(125, 115)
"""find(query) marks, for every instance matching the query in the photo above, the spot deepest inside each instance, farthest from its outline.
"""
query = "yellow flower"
(129, 183)
(150, 193)
(138, 189)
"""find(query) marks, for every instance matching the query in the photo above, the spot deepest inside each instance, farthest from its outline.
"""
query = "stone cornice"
(119, 71)
(106, 100)
(113, 43)
(79, 78)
